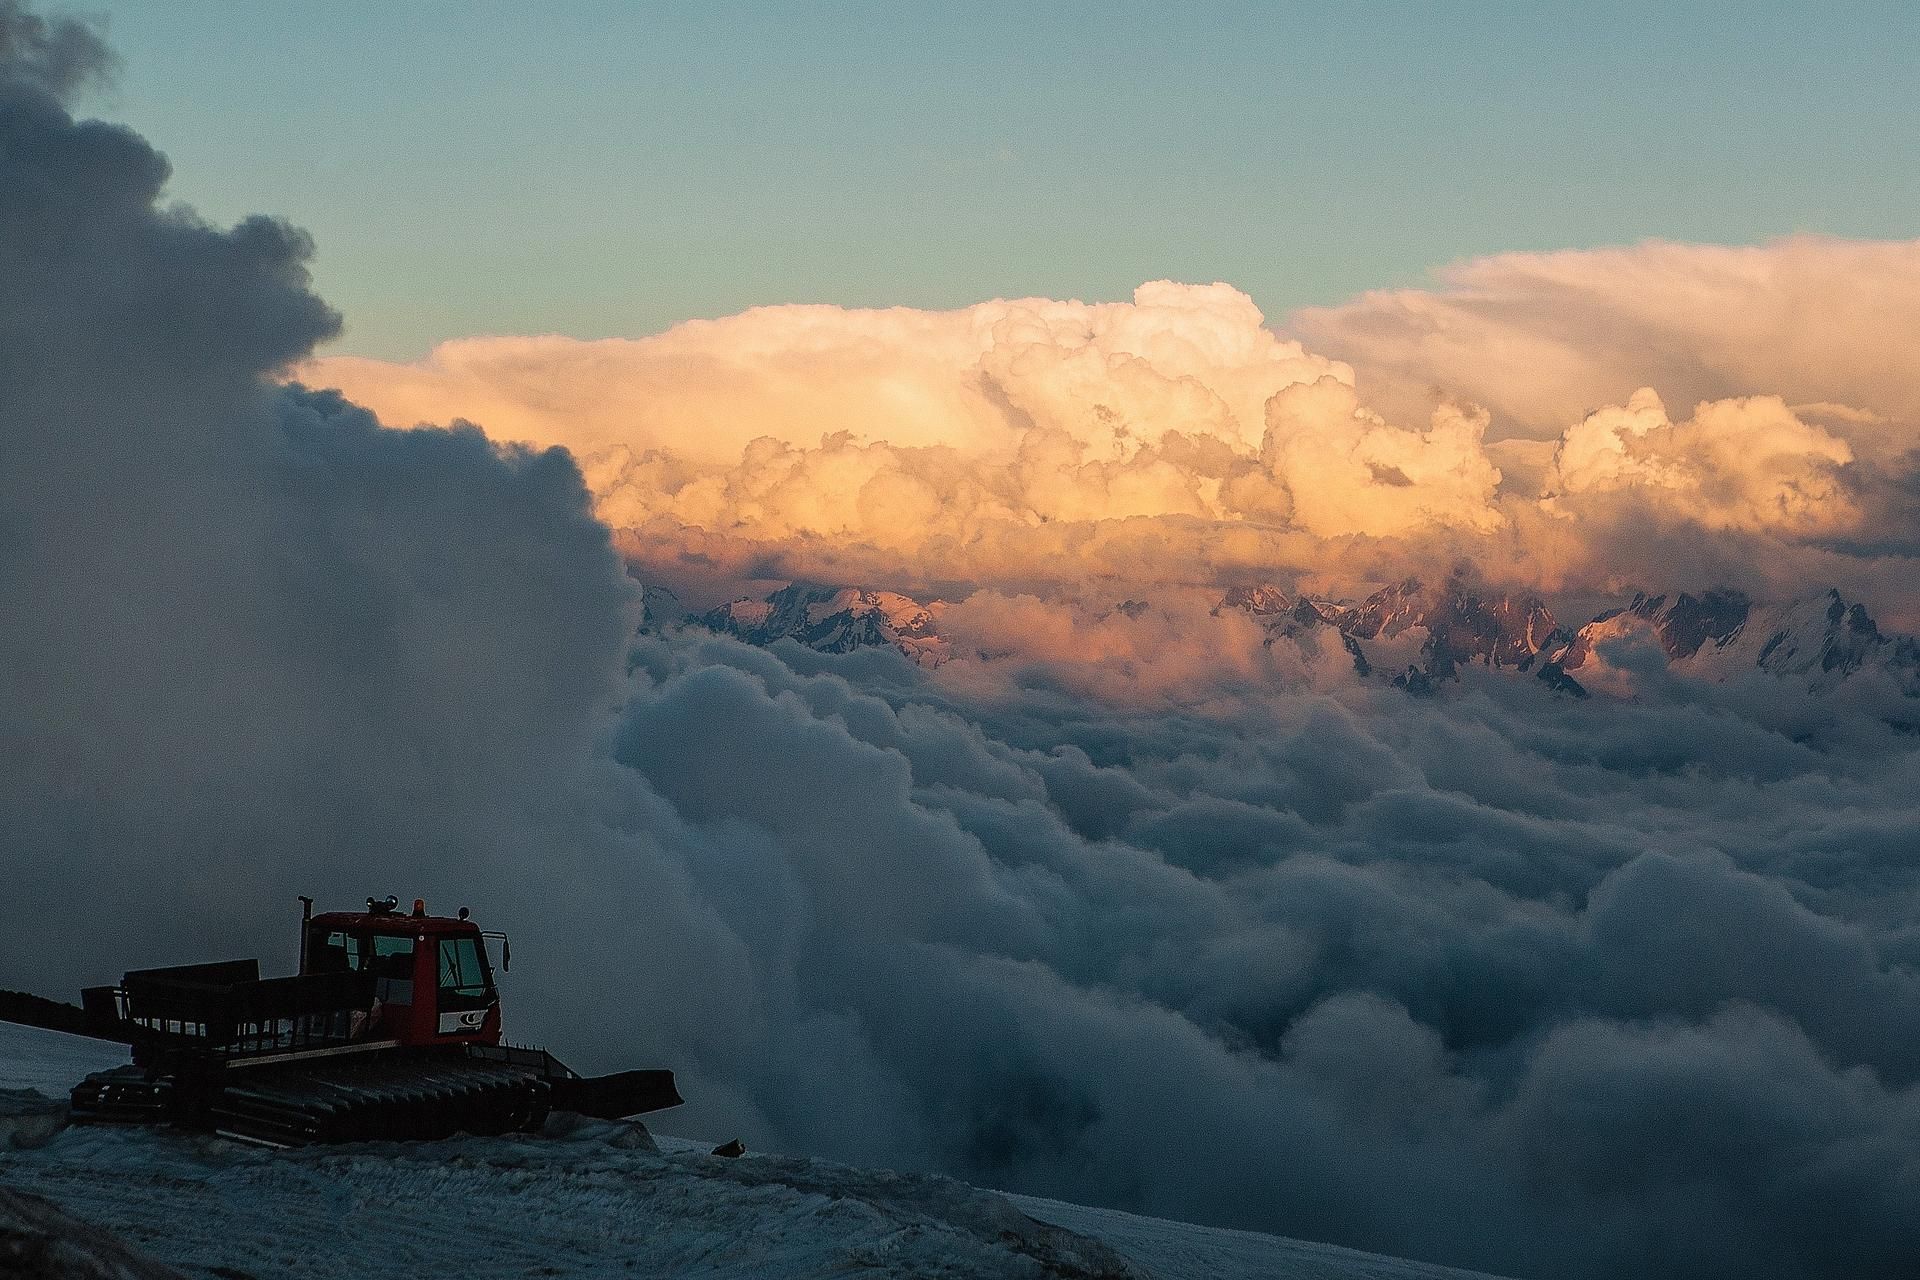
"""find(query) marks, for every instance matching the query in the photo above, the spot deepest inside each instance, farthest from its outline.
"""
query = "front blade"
(614, 1097)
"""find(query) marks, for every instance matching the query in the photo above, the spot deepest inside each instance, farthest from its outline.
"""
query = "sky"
(1141, 898)
(607, 169)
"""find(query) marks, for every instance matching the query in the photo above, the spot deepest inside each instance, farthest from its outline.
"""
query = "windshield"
(465, 982)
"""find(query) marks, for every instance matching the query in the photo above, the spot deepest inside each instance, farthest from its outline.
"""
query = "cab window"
(331, 951)
(392, 957)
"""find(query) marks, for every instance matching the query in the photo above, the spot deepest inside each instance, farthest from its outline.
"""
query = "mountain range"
(1415, 634)
(829, 619)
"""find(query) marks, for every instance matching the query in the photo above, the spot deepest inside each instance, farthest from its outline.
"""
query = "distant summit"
(1463, 626)
(833, 620)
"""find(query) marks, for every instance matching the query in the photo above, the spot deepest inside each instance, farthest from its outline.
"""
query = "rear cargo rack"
(227, 1010)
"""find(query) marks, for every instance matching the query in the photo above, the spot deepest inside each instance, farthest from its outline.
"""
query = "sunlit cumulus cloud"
(1739, 464)
(981, 442)
(1107, 375)
(1350, 471)
(943, 431)
(1175, 438)
(1542, 339)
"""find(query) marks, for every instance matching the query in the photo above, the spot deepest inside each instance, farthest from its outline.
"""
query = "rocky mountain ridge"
(1818, 641)
(1412, 633)
(829, 619)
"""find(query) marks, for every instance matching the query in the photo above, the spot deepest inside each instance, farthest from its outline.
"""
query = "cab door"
(464, 989)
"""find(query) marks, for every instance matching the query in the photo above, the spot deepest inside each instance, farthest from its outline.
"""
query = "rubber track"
(380, 1100)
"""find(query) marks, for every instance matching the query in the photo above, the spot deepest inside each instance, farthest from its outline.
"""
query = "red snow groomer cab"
(390, 1030)
(432, 977)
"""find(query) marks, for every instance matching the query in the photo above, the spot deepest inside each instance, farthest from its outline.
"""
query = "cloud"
(249, 639)
(1748, 464)
(1188, 358)
(960, 435)
(1031, 444)
(1447, 978)
(1541, 339)
(57, 57)
(1012, 441)
(1351, 472)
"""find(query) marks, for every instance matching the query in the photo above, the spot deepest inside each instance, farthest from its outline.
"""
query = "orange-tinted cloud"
(1541, 339)
(1177, 439)
(1736, 464)
(1191, 358)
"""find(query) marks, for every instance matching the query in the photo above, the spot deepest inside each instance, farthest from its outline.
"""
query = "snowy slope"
(835, 620)
(587, 1199)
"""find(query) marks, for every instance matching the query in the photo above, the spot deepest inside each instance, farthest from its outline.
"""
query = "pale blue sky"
(601, 168)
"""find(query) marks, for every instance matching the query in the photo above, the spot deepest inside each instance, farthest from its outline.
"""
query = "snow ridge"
(585, 1198)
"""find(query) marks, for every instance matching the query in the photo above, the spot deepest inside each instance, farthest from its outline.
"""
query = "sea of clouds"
(1146, 912)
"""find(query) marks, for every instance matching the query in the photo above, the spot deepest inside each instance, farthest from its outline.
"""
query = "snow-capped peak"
(834, 620)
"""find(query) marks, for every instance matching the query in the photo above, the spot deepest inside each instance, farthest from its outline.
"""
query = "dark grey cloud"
(1548, 987)
(1555, 988)
(53, 56)
(248, 639)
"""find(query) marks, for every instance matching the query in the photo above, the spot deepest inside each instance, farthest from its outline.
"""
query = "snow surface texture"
(586, 1198)
(38, 1242)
